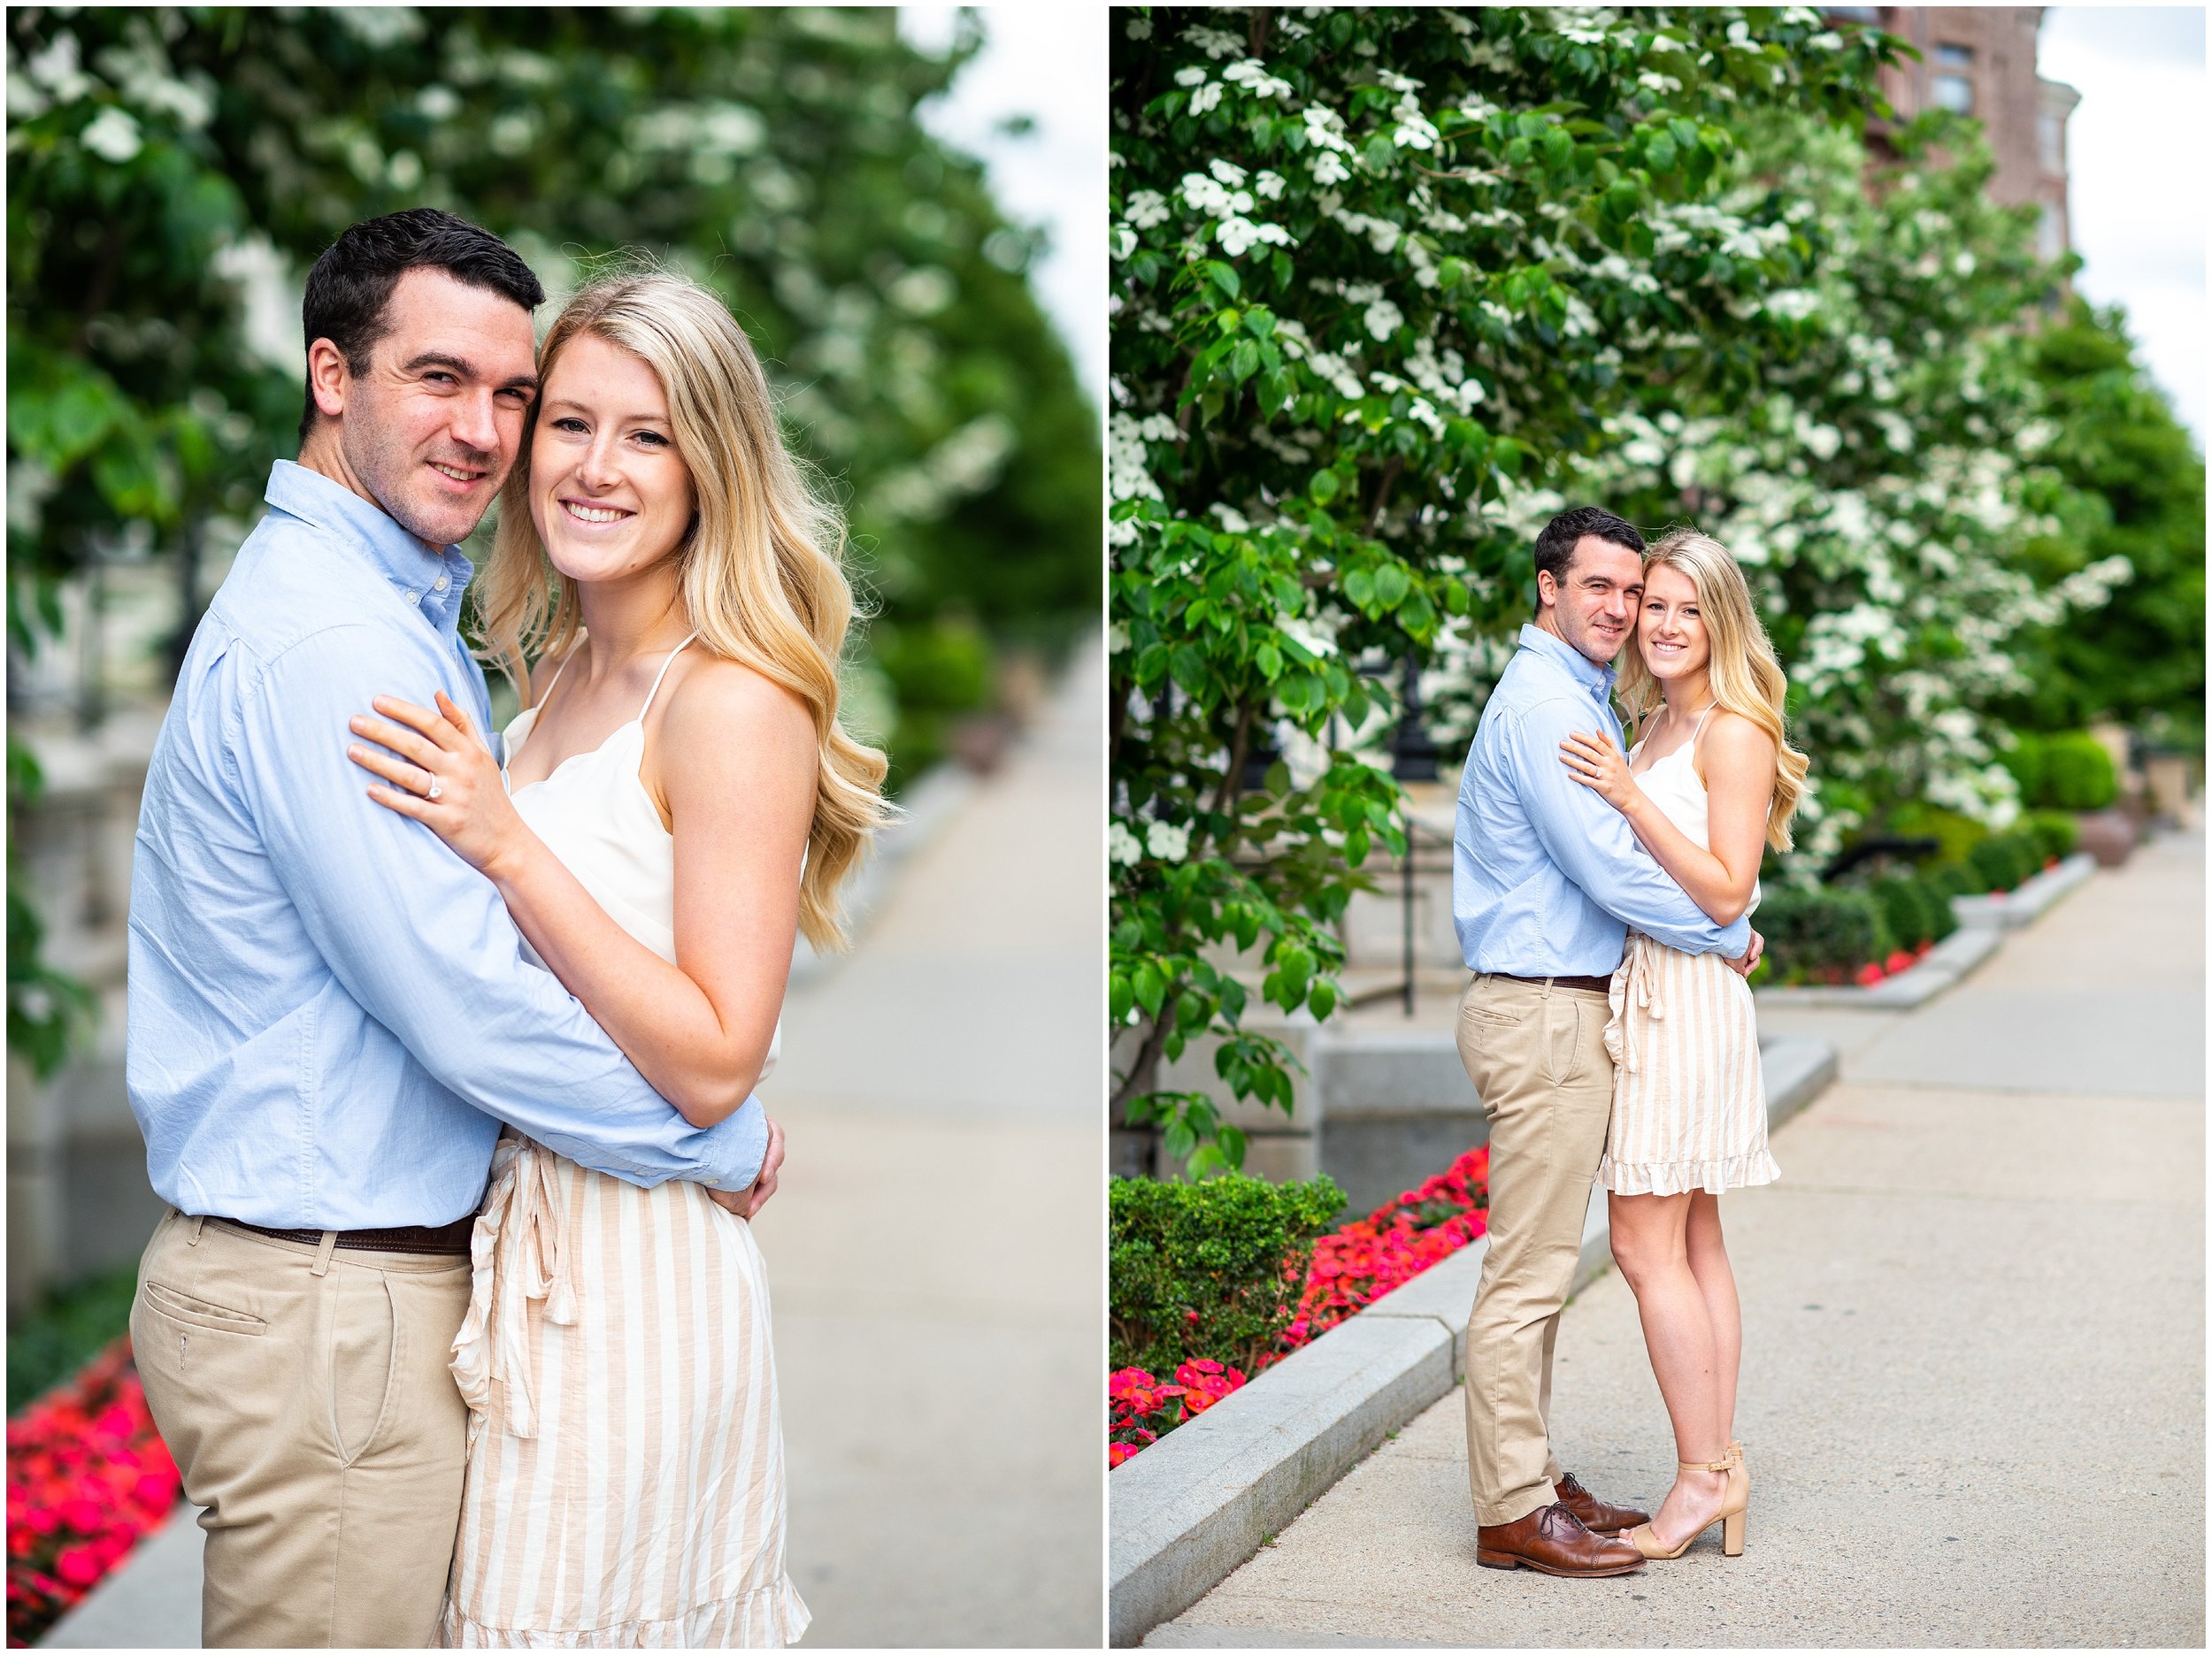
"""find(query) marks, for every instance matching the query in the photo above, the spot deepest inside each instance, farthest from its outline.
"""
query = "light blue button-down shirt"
(330, 1012)
(1546, 876)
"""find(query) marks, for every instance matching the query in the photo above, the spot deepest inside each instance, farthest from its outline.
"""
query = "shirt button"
(440, 583)
(414, 597)
(713, 1180)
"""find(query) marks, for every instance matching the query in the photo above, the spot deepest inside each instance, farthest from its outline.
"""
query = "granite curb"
(136, 1606)
(1198, 1504)
(1983, 923)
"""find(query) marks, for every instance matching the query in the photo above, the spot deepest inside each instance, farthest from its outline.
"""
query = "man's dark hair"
(350, 288)
(1555, 546)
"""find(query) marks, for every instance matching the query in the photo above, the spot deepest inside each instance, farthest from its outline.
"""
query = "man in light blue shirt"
(330, 1013)
(1545, 878)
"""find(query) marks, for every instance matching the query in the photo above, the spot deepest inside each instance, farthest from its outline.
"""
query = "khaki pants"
(304, 1393)
(1537, 1056)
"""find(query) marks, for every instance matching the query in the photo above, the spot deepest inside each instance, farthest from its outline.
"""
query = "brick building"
(1980, 61)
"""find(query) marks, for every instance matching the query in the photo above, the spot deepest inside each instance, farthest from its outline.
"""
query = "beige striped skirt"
(626, 1471)
(1689, 1098)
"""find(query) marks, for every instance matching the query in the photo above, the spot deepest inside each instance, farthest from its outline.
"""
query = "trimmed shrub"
(2006, 861)
(1956, 878)
(1210, 1270)
(1915, 911)
(1823, 936)
(1955, 835)
(2076, 773)
(2024, 759)
(2055, 833)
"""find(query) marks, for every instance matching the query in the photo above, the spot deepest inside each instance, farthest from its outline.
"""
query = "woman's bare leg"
(1650, 1244)
(1716, 1280)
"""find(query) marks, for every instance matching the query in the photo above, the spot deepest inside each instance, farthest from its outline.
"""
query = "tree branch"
(1143, 1069)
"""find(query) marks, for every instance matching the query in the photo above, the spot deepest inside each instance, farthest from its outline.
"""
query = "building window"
(2050, 232)
(2050, 132)
(1955, 92)
(1955, 57)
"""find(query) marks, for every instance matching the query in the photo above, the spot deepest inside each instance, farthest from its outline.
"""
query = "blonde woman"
(678, 803)
(1709, 785)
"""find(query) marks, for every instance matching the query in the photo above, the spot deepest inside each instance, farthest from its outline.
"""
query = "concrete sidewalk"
(1973, 1384)
(935, 1251)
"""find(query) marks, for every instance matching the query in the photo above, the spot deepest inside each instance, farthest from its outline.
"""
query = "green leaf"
(1324, 487)
(1390, 586)
(1150, 987)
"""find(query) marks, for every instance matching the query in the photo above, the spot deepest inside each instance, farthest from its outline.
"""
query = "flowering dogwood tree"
(1381, 275)
(1884, 484)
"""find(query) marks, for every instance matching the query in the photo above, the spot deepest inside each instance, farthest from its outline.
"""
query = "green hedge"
(1213, 1268)
(1958, 878)
(1822, 935)
(67, 1328)
(1914, 911)
(2056, 833)
(2067, 771)
(1955, 835)
(2007, 860)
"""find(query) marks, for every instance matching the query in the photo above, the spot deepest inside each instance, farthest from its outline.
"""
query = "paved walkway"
(1973, 1386)
(934, 1251)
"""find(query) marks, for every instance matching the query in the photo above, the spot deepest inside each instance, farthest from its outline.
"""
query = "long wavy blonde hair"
(760, 570)
(1746, 677)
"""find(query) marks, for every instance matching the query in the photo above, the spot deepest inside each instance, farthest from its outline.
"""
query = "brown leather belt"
(1595, 985)
(453, 1237)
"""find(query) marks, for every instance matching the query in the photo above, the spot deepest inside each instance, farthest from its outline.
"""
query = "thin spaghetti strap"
(662, 673)
(1690, 747)
(556, 679)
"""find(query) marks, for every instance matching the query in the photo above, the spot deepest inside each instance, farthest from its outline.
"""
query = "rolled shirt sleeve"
(422, 941)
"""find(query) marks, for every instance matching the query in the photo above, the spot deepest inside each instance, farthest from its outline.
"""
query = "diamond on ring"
(435, 789)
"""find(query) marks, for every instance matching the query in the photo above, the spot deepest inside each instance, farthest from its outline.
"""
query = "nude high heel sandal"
(1730, 1517)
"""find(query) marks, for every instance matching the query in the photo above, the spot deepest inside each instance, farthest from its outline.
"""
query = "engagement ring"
(433, 794)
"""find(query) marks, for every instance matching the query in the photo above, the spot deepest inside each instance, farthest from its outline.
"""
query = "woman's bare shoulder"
(1731, 744)
(725, 725)
(715, 692)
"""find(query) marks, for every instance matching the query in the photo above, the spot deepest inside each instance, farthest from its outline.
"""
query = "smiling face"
(1670, 629)
(429, 430)
(609, 492)
(1594, 607)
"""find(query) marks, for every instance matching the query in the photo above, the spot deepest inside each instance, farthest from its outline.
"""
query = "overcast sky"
(2136, 158)
(1047, 62)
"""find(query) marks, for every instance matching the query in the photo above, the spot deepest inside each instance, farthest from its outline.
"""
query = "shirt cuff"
(731, 1154)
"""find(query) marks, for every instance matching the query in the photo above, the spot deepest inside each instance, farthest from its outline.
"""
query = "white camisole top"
(593, 812)
(1672, 784)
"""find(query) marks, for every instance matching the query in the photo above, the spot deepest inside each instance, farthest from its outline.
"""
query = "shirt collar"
(431, 581)
(1597, 679)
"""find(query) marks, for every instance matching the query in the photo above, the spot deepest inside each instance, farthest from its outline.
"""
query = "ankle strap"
(1706, 1465)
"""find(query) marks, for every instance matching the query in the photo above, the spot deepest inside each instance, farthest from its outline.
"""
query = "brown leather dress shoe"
(1552, 1539)
(1596, 1515)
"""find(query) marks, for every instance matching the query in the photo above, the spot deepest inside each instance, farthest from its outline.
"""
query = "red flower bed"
(1366, 1259)
(1352, 1267)
(1144, 1409)
(87, 1477)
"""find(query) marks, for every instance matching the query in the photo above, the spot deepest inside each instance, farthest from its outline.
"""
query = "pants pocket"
(179, 1306)
(364, 1360)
